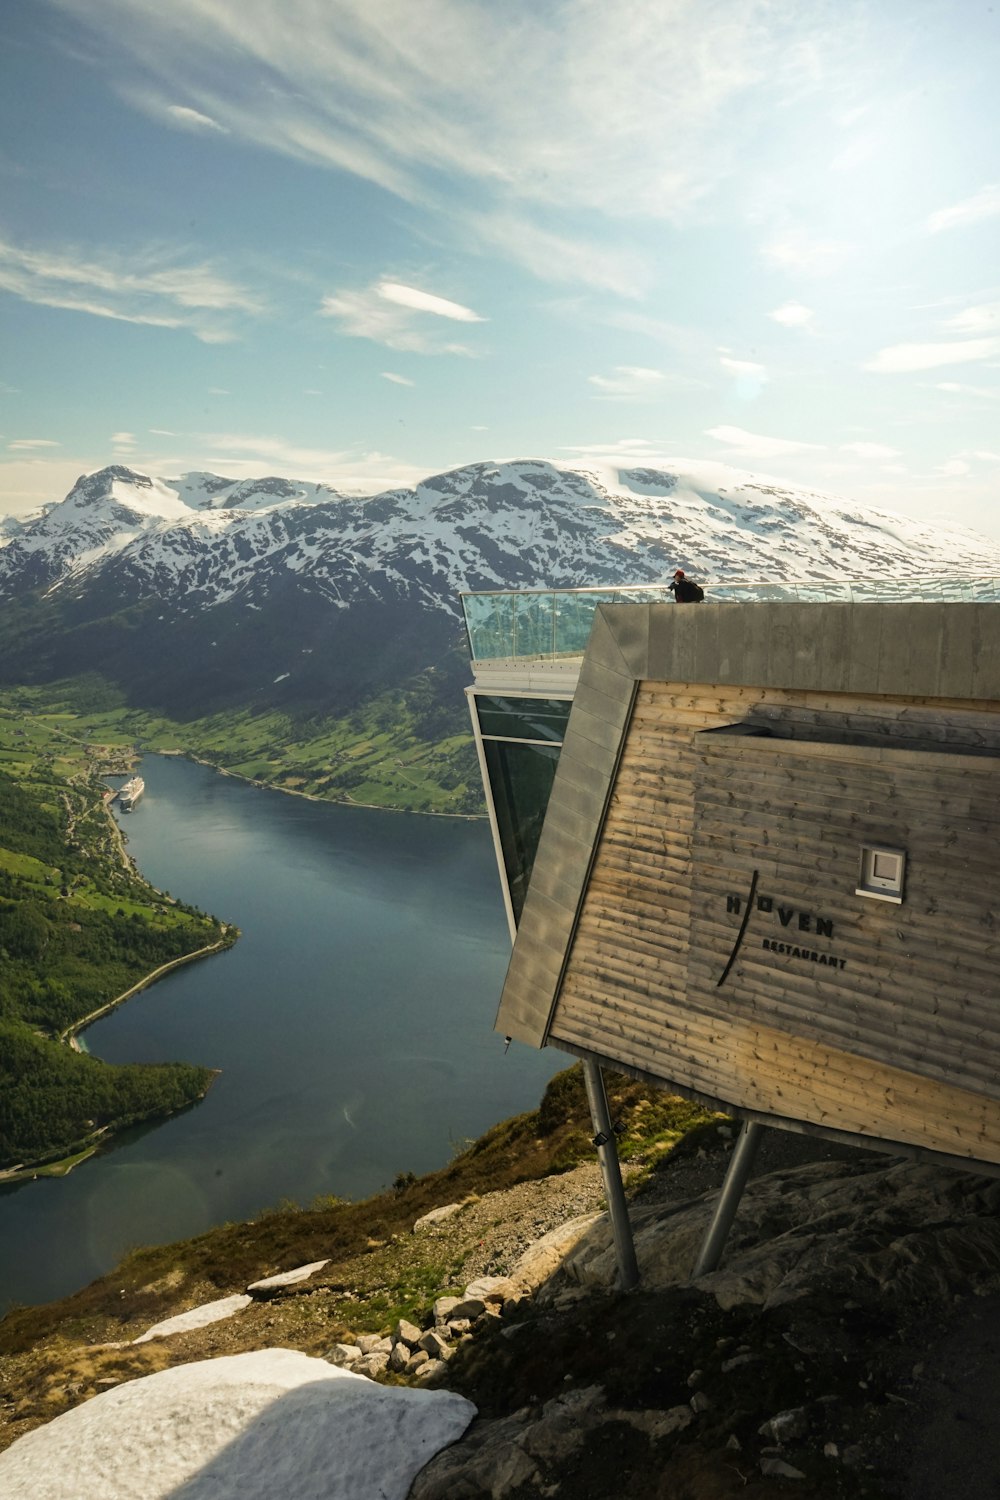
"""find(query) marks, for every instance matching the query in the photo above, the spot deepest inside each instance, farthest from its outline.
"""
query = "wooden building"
(768, 875)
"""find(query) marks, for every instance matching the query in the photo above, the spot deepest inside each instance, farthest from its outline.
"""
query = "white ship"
(129, 794)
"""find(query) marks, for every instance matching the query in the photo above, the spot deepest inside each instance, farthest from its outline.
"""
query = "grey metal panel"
(551, 922)
(566, 856)
(613, 710)
(577, 773)
(986, 652)
(958, 645)
(740, 633)
(581, 823)
(629, 628)
(537, 961)
(864, 646)
(606, 680)
(604, 647)
(598, 759)
(563, 884)
(910, 657)
(592, 727)
(662, 662)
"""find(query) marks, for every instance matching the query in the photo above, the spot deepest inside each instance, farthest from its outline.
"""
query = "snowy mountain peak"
(202, 539)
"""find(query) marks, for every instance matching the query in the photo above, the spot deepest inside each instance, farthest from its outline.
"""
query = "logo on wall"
(797, 924)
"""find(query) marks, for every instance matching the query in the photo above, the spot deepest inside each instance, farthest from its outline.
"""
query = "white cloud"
(806, 254)
(582, 259)
(986, 456)
(756, 445)
(123, 439)
(743, 368)
(389, 313)
(140, 287)
(396, 379)
(441, 307)
(162, 432)
(982, 319)
(954, 468)
(870, 450)
(242, 456)
(545, 107)
(193, 119)
(982, 392)
(29, 445)
(629, 381)
(792, 315)
(982, 205)
(623, 448)
(902, 358)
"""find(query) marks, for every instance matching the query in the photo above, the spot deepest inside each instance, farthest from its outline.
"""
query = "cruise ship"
(129, 794)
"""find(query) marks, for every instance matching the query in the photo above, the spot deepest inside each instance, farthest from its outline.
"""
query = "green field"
(78, 928)
(400, 751)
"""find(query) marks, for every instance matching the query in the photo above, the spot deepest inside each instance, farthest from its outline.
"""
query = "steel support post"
(740, 1166)
(607, 1155)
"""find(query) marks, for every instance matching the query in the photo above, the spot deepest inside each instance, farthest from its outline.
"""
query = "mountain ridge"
(203, 595)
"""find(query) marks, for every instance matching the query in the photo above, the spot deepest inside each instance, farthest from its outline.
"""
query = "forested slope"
(78, 928)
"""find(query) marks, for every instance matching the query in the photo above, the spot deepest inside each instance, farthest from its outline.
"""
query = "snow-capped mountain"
(204, 592)
(202, 540)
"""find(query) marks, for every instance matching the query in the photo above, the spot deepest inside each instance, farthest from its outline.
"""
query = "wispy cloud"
(390, 313)
(806, 254)
(756, 445)
(250, 455)
(629, 381)
(982, 392)
(982, 205)
(525, 103)
(141, 288)
(583, 259)
(192, 119)
(29, 445)
(870, 450)
(162, 432)
(396, 379)
(903, 358)
(123, 442)
(441, 307)
(792, 315)
(982, 319)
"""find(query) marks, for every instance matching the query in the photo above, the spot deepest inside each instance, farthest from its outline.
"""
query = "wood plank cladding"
(836, 1009)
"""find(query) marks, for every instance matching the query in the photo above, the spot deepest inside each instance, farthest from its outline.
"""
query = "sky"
(364, 241)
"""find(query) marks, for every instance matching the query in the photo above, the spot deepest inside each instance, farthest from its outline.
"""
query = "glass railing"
(556, 622)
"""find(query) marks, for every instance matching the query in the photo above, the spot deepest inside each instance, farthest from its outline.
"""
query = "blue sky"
(362, 241)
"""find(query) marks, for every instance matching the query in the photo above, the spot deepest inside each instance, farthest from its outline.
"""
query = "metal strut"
(607, 1155)
(739, 1169)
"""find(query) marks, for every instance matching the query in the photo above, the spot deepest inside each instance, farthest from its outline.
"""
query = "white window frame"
(881, 886)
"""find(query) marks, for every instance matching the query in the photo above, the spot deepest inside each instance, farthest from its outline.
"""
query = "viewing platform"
(549, 625)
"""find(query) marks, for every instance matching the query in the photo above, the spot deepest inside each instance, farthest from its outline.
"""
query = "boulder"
(428, 1221)
(406, 1333)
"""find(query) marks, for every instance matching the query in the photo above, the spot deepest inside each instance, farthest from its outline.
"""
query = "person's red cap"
(679, 573)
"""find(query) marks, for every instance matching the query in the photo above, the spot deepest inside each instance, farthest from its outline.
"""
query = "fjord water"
(352, 1022)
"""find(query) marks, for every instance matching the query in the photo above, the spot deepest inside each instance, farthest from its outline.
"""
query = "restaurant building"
(750, 851)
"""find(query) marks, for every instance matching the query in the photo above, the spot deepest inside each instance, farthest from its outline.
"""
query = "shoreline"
(288, 791)
(69, 1036)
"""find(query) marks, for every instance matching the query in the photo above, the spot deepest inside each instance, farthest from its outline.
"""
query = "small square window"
(881, 874)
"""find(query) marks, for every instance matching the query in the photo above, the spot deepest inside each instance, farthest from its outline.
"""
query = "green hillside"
(78, 928)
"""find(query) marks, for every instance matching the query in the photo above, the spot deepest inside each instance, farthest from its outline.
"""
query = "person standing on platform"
(684, 591)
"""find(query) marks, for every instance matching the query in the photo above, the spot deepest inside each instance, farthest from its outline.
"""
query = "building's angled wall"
(846, 1013)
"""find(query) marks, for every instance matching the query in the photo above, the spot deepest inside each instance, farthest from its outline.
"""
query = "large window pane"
(520, 779)
(523, 718)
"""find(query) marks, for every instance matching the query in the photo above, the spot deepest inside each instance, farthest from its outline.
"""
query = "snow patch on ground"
(196, 1317)
(273, 1423)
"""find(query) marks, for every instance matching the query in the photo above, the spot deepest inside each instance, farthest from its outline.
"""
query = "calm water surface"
(352, 1023)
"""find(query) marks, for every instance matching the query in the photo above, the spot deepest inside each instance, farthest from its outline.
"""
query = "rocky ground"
(849, 1345)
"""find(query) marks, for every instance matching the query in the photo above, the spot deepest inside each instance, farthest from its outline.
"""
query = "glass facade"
(520, 738)
(506, 625)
